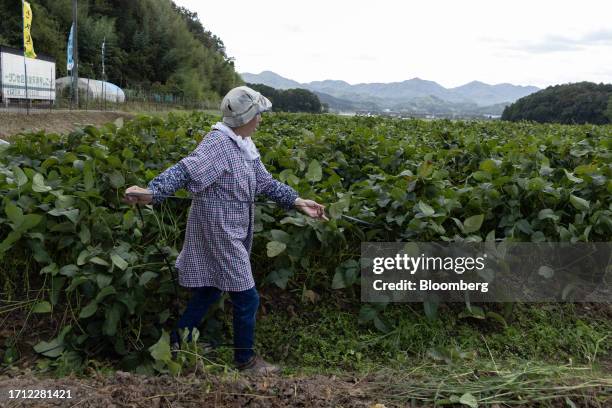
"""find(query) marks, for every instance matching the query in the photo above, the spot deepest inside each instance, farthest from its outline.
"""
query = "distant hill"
(413, 95)
(271, 79)
(582, 102)
(484, 94)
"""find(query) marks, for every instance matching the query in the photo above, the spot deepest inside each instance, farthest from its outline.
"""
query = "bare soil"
(125, 389)
(12, 123)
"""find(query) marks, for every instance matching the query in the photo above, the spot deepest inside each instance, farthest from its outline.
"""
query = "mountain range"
(413, 96)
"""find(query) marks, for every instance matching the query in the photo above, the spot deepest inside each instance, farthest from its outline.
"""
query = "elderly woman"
(223, 174)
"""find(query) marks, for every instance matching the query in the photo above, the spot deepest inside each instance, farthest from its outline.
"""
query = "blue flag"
(69, 60)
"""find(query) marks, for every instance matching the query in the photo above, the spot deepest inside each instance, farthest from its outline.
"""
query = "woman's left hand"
(311, 208)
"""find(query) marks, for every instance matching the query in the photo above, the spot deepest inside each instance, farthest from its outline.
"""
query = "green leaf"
(14, 213)
(536, 184)
(346, 274)
(280, 236)
(431, 309)
(52, 349)
(119, 261)
(51, 269)
(88, 177)
(38, 184)
(336, 210)
(425, 169)
(274, 248)
(127, 153)
(160, 351)
(473, 223)
(473, 311)
(579, 203)
(572, 178)
(89, 310)
(497, 317)
(111, 319)
(146, 277)
(280, 277)
(547, 213)
(297, 221)
(71, 214)
(103, 280)
(366, 314)
(20, 176)
(338, 281)
(116, 179)
(82, 258)
(469, 400)
(30, 221)
(380, 324)
(69, 270)
(314, 172)
(41, 307)
(57, 283)
(64, 201)
(98, 261)
(8, 242)
(84, 234)
(426, 209)
(524, 226)
(76, 282)
(488, 165)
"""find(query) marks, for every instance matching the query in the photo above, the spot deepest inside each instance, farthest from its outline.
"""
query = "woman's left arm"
(279, 192)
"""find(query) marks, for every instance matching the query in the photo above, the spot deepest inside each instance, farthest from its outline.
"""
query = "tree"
(290, 100)
(583, 102)
(609, 110)
(147, 42)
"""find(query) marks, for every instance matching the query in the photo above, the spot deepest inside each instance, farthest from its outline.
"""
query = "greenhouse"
(92, 88)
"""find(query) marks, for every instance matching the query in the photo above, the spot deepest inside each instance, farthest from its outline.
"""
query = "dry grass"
(12, 123)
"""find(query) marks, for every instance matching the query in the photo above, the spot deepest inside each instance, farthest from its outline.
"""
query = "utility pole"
(25, 65)
(103, 73)
(75, 55)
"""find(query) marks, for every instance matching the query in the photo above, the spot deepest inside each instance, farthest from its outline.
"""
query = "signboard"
(41, 77)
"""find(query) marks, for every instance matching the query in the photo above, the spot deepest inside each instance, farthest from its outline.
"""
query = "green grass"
(325, 338)
(545, 355)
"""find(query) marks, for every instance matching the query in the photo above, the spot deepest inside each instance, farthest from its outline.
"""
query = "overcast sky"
(523, 42)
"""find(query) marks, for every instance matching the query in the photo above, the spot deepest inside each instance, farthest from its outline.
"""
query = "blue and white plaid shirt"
(219, 234)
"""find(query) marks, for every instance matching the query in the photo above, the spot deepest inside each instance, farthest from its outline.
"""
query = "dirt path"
(12, 123)
(195, 390)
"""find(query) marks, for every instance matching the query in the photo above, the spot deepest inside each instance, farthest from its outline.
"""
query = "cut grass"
(522, 383)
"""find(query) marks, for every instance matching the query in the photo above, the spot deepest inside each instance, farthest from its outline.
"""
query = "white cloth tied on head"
(242, 104)
(247, 147)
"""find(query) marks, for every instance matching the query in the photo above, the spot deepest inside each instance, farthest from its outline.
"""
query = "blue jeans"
(245, 306)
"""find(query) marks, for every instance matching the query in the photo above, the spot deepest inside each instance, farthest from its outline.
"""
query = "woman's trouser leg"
(245, 306)
(197, 307)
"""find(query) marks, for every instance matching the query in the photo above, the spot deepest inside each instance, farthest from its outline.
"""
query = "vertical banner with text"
(28, 45)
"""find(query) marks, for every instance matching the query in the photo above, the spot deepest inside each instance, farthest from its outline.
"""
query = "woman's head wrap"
(241, 105)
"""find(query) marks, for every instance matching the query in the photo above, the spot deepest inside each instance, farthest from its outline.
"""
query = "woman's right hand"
(138, 195)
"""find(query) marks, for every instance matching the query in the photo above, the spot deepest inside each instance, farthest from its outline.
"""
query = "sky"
(523, 42)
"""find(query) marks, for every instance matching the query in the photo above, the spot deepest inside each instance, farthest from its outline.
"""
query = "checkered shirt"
(219, 234)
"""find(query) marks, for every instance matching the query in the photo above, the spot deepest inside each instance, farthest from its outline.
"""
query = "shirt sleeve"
(281, 193)
(167, 182)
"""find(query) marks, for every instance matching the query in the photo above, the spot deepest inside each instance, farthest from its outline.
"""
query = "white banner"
(41, 78)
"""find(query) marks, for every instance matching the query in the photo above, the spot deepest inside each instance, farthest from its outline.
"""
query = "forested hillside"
(583, 102)
(149, 43)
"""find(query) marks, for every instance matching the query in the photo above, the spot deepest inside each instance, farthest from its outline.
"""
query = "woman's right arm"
(166, 183)
(162, 186)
